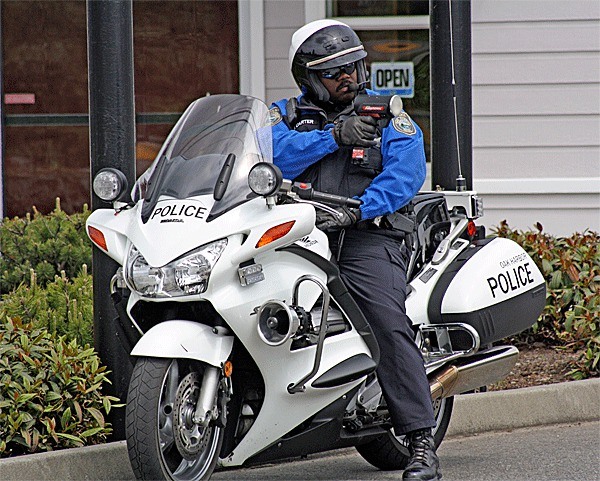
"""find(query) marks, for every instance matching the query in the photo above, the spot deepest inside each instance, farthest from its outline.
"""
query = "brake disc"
(191, 438)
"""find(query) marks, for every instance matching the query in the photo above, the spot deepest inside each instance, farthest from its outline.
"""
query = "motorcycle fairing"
(273, 420)
(237, 304)
(161, 243)
(324, 433)
(114, 228)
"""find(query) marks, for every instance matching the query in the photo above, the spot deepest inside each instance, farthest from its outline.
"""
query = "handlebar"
(306, 192)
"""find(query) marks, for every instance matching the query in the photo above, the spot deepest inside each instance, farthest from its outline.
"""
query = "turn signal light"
(97, 237)
(275, 233)
(227, 368)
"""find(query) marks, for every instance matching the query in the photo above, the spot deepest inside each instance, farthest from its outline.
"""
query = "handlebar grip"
(305, 191)
(335, 199)
(354, 202)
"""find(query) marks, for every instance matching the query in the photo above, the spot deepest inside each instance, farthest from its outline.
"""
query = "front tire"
(389, 452)
(161, 446)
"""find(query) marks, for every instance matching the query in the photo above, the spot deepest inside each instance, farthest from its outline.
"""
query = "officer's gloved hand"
(356, 131)
(346, 216)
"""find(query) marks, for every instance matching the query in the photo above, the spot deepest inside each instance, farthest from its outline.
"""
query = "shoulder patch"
(403, 124)
(274, 116)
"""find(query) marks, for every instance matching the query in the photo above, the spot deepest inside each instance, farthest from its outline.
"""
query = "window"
(394, 31)
(405, 46)
(376, 8)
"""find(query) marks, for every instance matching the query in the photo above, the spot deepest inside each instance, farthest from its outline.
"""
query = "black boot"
(423, 464)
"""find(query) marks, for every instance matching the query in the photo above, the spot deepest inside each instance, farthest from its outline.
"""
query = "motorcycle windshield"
(210, 152)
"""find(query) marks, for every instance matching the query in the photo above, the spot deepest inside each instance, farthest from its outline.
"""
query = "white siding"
(282, 19)
(536, 112)
(540, 99)
(492, 11)
(537, 36)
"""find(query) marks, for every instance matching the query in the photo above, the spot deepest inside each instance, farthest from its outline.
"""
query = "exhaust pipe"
(485, 367)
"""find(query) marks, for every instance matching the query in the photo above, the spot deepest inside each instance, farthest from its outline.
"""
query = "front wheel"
(390, 452)
(163, 441)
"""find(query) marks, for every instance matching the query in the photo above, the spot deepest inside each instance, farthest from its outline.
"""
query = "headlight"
(185, 276)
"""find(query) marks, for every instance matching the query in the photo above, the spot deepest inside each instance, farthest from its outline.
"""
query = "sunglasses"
(334, 73)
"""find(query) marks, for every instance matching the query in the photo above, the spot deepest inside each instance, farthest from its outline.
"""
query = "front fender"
(185, 340)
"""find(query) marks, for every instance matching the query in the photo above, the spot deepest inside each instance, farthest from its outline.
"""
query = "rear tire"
(389, 452)
(158, 388)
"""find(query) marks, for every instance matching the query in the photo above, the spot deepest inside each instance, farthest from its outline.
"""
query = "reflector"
(471, 229)
(227, 368)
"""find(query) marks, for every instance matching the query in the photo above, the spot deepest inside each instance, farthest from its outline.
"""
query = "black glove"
(356, 131)
(346, 216)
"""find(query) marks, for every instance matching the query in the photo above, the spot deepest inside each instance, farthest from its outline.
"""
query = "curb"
(574, 401)
(568, 402)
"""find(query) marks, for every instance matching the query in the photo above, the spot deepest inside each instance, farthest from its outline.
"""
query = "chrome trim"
(334, 56)
(444, 351)
(300, 386)
(486, 367)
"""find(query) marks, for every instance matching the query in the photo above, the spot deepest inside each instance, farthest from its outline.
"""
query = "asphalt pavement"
(575, 403)
(564, 452)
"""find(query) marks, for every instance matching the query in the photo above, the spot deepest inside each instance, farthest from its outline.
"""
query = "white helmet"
(321, 45)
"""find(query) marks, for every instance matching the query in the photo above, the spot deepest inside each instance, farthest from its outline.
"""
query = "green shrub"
(50, 391)
(63, 307)
(48, 244)
(571, 267)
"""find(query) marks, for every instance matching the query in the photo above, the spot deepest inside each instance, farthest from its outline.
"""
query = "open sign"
(389, 78)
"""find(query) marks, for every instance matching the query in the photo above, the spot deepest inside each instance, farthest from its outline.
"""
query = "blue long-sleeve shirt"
(403, 160)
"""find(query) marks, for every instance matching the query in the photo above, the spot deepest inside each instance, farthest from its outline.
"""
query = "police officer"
(315, 139)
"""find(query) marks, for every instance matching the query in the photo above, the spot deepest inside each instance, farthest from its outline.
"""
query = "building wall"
(282, 19)
(536, 112)
(536, 105)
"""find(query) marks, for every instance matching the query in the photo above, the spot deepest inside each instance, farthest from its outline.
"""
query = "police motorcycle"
(247, 345)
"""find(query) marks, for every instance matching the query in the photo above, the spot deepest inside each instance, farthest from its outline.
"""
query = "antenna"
(461, 183)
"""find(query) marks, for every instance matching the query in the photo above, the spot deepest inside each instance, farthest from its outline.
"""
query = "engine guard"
(180, 339)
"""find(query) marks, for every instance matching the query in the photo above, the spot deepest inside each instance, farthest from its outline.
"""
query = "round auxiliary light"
(265, 179)
(109, 184)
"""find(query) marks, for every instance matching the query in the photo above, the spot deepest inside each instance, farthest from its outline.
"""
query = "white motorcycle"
(247, 345)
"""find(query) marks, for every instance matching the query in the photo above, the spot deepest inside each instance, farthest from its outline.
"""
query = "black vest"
(347, 171)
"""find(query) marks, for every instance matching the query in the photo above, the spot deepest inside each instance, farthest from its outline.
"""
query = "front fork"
(206, 409)
(212, 401)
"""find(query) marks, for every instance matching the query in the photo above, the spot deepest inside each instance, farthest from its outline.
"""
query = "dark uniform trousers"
(373, 267)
